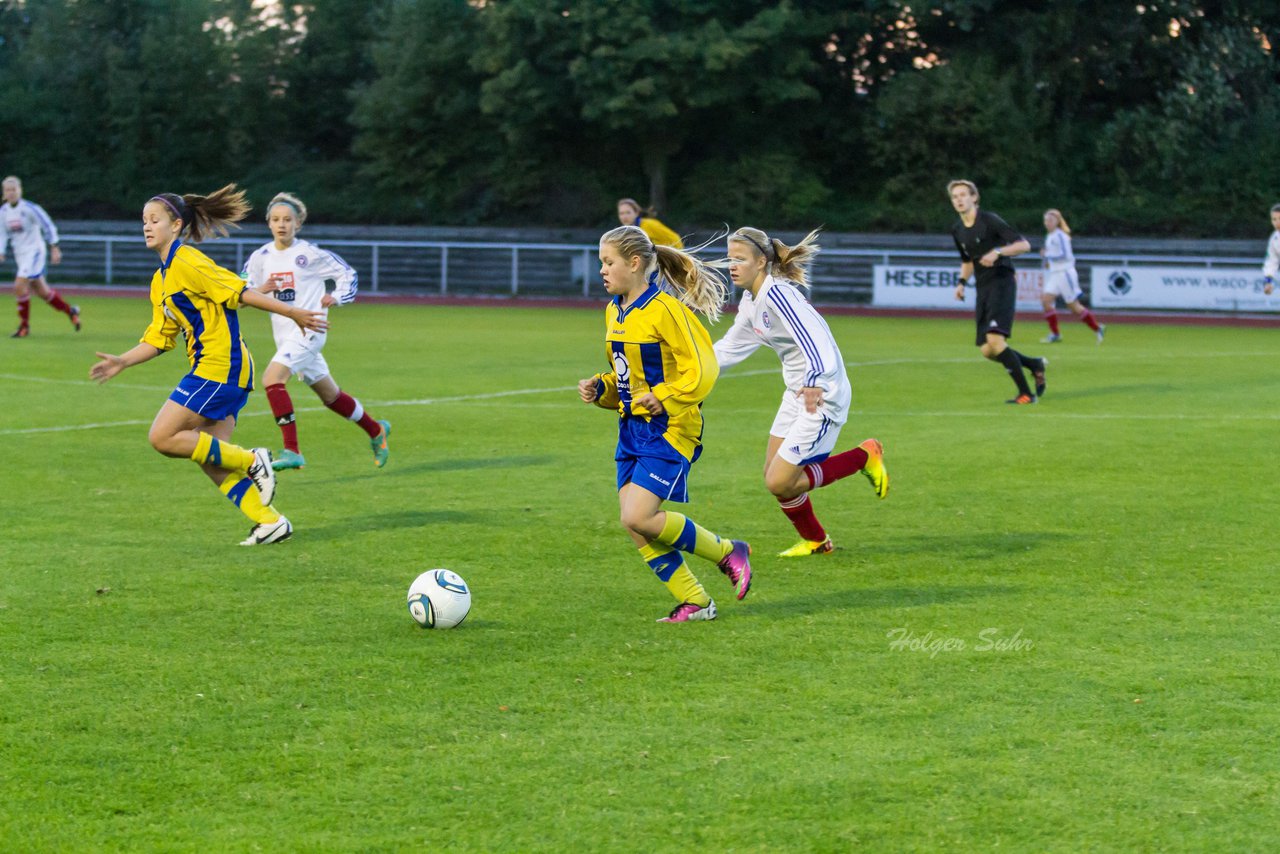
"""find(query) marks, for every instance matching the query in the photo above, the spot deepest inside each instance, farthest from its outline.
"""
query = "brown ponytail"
(203, 216)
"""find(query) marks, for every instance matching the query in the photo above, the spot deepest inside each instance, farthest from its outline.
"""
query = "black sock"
(1031, 363)
(1013, 364)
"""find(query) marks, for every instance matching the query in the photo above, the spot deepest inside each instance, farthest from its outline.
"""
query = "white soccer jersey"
(1057, 251)
(1271, 267)
(780, 317)
(27, 227)
(301, 271)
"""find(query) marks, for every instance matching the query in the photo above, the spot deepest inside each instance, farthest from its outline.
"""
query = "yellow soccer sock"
(688, 536)
(241, 492)
(672, 571)
(224, 455)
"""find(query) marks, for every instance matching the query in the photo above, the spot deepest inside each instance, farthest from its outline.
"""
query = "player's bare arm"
(966, 273)
(316, 321)
(111, 365)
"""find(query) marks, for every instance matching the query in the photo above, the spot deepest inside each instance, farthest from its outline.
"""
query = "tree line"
(1144, 117)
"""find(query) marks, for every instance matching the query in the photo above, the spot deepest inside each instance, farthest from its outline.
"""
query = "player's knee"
(782, 484)
(163, 441)
(635, 521)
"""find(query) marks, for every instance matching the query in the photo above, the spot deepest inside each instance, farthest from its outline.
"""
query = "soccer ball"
(439, 599)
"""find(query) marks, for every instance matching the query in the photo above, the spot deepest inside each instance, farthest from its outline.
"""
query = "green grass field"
(1082, 593)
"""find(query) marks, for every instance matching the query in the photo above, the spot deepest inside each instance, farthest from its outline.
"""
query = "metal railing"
(550, 269)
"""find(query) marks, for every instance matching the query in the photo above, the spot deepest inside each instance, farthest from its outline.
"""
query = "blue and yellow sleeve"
(607, 396)
(163, 332)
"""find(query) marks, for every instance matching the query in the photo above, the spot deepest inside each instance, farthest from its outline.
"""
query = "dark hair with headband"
(203, 216)
(782, 261)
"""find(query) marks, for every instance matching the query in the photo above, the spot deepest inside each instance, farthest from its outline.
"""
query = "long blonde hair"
(203, 216)
(699, 286)
(782, 261)
(1062, 221)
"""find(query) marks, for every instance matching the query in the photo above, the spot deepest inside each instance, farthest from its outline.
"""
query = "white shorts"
(1063, 283)
(807, 437)
(303, 357)
(31, 265)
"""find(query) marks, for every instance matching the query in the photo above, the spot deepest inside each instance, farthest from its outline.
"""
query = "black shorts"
(997, 303)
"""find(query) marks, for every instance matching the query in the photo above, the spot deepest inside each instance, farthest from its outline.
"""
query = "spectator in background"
(630, 213)
(1271, 267)
(1061, 279)
(35, 239)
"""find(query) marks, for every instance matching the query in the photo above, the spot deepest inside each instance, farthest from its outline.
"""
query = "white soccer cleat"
(269, 532)
(263, 475)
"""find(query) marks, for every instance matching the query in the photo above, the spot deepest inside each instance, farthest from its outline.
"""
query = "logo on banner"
(1119, 283)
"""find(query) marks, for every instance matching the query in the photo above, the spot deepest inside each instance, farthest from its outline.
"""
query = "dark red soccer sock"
(834, 468)
(800, 512)
(1051, 318)
(56, 302)
(24, 311)
(349, 408)
(1089, 320)
(282, 409)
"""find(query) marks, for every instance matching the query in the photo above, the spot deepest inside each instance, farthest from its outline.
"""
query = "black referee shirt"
(988, 232)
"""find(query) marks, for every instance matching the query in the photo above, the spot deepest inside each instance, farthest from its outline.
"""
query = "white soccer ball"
(439, 599)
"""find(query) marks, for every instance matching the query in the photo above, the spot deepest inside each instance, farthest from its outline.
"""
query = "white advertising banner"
(897, 286)
(1201, 288)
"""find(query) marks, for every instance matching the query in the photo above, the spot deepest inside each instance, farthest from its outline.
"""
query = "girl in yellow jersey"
(630, 213)
(192, 295)
(662, 368)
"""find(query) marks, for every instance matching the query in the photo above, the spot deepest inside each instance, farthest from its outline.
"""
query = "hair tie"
(168, 204)
(763, 251)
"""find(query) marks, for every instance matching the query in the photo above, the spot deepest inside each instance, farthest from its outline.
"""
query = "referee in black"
(986, 243)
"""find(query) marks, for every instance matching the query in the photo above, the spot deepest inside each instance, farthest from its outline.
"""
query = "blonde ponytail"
(782, 261)
(698, 285)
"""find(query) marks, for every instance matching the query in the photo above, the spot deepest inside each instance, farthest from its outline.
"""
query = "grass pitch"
(1058, 633)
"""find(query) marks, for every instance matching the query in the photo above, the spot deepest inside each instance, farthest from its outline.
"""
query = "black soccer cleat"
(1039, 377)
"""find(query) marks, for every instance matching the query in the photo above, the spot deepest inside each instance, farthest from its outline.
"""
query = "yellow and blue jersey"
(192, 295)
(657, 345)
